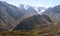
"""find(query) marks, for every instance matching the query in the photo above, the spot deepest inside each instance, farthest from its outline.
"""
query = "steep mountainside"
(55, 9)
(36, 21)
(11, 15)
(32, 10)
(54, 14)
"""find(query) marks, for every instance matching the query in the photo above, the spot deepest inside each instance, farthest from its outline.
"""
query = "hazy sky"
(43, 3)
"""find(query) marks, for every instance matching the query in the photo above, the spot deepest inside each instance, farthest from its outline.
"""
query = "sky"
(36, 3)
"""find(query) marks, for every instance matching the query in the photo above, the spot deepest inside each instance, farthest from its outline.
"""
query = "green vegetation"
(48, 31)
(18, 33)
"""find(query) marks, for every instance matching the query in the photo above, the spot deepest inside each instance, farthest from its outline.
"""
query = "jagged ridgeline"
(14, 18)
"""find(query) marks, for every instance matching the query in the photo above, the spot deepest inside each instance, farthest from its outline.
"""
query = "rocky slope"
(11, 15)
(36, 21)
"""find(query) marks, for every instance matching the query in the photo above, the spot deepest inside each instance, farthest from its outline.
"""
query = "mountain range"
(10, 15)
(19, 18)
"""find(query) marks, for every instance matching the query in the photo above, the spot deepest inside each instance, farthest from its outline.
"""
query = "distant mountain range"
(55, 9)
(19, 18)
